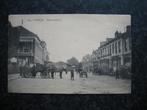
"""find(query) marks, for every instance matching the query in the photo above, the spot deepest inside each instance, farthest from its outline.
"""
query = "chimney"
(116, 34)
(102, 43)
(109, 39)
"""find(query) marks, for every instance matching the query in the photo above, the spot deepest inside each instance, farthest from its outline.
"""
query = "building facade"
(31, 49)
(113, 53)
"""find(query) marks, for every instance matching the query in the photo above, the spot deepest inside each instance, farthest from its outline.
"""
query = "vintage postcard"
(69, 53)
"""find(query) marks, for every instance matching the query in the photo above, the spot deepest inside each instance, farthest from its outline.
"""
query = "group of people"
(52, 73)
(71, 72)
(45, 72)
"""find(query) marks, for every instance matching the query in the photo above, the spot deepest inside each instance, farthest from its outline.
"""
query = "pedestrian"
(72, 75)
(66, 71)
(45, 71)
(21, 71)
(115, 72)
(25, 71)
(52, 74)
(61, 74)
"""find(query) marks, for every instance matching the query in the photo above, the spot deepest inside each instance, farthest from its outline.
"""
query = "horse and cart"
(82, 73)
(31, 72)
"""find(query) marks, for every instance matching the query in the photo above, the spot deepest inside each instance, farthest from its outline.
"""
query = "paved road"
(91, 85)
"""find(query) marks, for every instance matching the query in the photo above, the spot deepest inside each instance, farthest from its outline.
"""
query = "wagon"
(83, 74)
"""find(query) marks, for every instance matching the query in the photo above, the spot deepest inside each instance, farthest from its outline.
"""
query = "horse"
(40, 68)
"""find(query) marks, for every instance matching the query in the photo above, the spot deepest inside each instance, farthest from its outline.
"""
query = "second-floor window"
(116, 47)
(126, 45)
(25, 47)
(26, 50)
(119, 47)
(112, 48)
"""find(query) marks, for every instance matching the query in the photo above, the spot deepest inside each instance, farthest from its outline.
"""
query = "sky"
(72, 35)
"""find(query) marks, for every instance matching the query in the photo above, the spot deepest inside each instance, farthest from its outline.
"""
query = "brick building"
(113, 52)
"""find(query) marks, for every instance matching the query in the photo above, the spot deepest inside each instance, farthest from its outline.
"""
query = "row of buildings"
(29, 49)
(112, 53)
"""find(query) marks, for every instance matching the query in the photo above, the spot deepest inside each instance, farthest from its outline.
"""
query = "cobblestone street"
(92, 85)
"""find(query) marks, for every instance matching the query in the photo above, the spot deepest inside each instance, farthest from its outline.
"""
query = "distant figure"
(21, 71)
(61, 74)
(66, 71)
(72, 75)
(25, 70)
(52, 74)
(115, 72)
(48, 72)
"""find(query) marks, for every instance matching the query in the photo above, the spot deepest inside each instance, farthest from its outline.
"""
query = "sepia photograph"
(69, 53)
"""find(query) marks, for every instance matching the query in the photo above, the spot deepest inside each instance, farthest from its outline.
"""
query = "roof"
(118, 36)
(25, 32)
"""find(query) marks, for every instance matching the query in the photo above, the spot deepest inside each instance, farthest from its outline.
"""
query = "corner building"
(31, 49)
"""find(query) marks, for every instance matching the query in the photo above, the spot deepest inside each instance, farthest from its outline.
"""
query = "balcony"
(23, 53)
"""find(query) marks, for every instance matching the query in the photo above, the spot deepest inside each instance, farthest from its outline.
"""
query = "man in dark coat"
(66, 71)
(21, 71)
(52, 74)
(72, 75)
(60, 74)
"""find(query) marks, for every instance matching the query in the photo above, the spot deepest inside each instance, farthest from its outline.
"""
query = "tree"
(87, 62)
(73, 61)
(87, 58)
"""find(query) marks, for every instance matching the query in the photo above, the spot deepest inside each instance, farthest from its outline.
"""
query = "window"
(116, 47)
(112, 48)
(26, 50)
(126, 49)
(119, 48)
